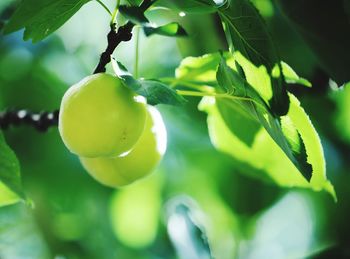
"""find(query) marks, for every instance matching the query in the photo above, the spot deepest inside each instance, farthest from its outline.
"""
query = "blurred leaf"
(246, 32)
(40, 18)
(19, 235)
(154, 91)
(171, 29)
(9, 171)
(7, 196)
(134, 14)
(186, 233)
(325, 27)
(342, 122)
(135, 212)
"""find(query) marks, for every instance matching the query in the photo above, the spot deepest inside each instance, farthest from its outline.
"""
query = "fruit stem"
(218, 95)
(136, 64)
(115, 12)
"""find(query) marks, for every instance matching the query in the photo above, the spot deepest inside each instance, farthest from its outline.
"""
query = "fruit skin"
(138, 163)
(99, 116)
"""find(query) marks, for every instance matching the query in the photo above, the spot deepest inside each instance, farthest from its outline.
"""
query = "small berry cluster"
(41, 121)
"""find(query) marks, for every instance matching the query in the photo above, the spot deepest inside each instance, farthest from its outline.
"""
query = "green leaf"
(324, 25)
(154, 91)
(134, 2)
(134, 14)
(240, 123)
(9, 174)
(233, 84)
(7, 197)
(282, 131)
(243, 108)
(201, 70)
(266, 155)
(190, 6)
(291, 76)
(243, 118)
(171, 29)
(246, 32)
(157, 92)
(40, 18)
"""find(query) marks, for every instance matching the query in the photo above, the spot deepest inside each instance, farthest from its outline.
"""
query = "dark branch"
(41, 121)
(114, 38)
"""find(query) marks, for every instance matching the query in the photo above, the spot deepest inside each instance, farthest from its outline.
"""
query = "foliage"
(250, 124)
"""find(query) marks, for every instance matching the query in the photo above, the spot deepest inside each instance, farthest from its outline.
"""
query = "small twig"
(114, 38)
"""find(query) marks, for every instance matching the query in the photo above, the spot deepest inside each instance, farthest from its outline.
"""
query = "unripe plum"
(99, 116)
(136, 164)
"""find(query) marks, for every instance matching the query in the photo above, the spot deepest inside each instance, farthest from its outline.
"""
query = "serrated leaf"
(282, 131)
(264, 153)
(154, 91)
(40, 18)
(292, 77)
(134, 14)
(171, 29)
(231, 81)
(9, 172)
(251, 113)
(246, 32)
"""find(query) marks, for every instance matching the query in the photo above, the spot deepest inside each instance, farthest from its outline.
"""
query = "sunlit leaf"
(266, 155)
(292, 77)
(246, 32)
(40, 18)
(170, 29)
(9, 172)
(7, 196)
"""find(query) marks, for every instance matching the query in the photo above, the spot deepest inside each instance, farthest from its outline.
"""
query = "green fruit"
(99, 116)
(139, 162)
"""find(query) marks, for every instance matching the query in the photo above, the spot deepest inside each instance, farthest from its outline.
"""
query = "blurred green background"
(73, 216)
